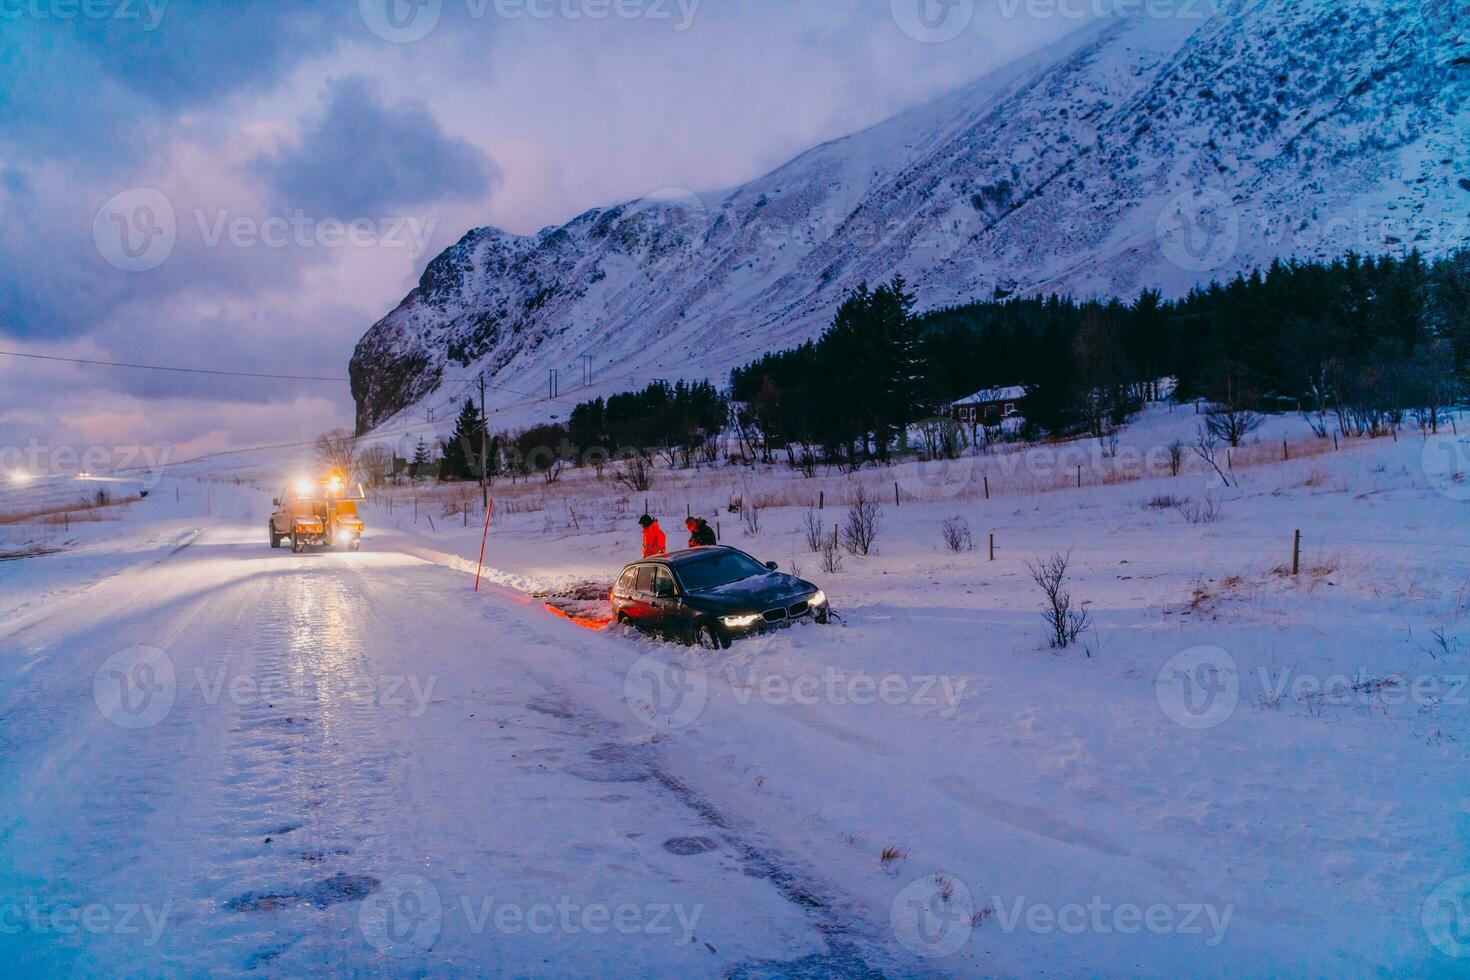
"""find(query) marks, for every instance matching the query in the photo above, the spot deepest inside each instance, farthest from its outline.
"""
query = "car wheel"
(708, 636)
(354, 546)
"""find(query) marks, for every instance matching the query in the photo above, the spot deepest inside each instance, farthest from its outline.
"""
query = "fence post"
(1079, 476)
(1335, 447)
(992, 546)
(1296, 553)
(895, 493)
(987, 487)
(1285, 451)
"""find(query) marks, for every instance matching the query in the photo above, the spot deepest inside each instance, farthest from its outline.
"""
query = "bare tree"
(955, 531)
(376, 463)
(1176, 456)
(831, 553)
(338, 450)
(635, 472)
(1064, 622)
(864, 518)
(750, 515)
(811, 526)
(1207, 447)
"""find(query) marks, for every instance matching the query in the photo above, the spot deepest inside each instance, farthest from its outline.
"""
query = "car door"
(640, 606)
(667, 609)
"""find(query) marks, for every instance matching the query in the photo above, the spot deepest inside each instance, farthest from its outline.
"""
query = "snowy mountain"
(1142, 151)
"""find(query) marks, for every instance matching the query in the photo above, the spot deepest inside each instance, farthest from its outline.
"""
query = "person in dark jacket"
(701, 535)
(654, 543)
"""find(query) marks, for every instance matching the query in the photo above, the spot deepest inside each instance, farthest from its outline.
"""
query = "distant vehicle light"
(304, 488)
(20, 477)
(335, 483)
(84, 475)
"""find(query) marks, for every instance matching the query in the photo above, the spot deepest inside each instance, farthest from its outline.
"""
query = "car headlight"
(820, 599)
(739, 622)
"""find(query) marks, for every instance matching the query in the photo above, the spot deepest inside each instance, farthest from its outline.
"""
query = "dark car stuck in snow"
(710, 596)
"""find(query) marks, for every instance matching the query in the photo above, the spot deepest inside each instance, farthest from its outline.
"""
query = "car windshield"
(718, 570)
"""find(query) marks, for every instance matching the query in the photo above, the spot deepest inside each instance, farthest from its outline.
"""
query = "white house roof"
(1010, 393)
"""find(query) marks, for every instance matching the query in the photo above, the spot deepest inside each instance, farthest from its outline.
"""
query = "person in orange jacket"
(654, 543)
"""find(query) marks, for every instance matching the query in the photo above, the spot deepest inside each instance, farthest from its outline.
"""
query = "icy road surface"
(226, 758)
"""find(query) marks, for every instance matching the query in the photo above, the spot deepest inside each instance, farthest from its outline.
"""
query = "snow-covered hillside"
(1140, 151)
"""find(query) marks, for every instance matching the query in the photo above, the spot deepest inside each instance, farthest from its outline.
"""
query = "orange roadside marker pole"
(489, 507)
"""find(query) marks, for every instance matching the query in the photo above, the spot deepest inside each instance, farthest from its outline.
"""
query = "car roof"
(683, 557)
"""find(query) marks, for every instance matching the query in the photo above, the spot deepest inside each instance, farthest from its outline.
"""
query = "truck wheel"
(354, 546)
(297, 545)
(275, 538)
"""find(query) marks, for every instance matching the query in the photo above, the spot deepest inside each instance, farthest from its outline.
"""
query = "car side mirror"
(771, 565)
(275, 501)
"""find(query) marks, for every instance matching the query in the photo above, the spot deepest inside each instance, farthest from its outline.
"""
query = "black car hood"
(755, 594)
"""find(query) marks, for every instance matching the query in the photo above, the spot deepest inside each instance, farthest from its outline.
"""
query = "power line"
(164, 367)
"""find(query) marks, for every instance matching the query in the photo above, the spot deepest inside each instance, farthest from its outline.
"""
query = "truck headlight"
(740, 622)
(820, 599)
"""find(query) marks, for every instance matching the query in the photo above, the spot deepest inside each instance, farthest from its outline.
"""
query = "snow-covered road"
(225, 757)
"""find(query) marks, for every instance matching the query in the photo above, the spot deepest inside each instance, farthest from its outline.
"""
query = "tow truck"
(317, 513)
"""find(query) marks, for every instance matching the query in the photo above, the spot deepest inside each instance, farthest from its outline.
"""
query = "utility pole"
(551, 384)
(586, 370)
(484, 450)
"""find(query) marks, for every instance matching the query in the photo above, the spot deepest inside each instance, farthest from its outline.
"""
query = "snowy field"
(215, 757)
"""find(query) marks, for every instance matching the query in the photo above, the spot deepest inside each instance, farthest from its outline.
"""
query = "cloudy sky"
(248, 186)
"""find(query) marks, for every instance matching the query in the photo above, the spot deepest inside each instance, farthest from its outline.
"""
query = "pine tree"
(420, 462)
(462, 451)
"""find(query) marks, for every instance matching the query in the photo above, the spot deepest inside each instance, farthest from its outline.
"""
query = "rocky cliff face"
(1142, 151)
